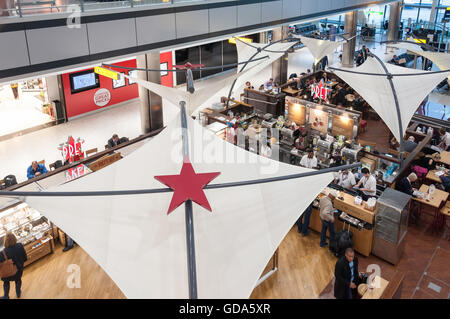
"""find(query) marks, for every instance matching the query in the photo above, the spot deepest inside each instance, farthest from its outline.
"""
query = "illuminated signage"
(246, 40)
(76, 172)
(71, 150)
(318, 91)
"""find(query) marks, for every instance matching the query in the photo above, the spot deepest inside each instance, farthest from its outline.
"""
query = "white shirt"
(369, 183)
(446, 139)
(268, 85)
(347, 181)
(308, 162)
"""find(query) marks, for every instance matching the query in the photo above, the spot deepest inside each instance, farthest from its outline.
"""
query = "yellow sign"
(233, 40)
(424, 41)
(105, 72)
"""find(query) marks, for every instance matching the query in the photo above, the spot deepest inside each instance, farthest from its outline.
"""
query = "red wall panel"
(166, 57)
(83, 102)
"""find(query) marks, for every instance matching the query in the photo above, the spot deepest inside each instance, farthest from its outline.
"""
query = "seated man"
(115, 140)
(35, 170)
(404, 185)
(410, 144)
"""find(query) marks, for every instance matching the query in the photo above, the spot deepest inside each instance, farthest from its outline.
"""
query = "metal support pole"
(190, 242)
(19, 2)
(397, 106)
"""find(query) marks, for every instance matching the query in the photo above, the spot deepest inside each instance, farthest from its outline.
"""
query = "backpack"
(7, 267)
(10, 180)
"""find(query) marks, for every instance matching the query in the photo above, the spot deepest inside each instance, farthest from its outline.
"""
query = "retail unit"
(31, 229)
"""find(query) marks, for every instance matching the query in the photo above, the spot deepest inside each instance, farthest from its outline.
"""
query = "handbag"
(7, 267)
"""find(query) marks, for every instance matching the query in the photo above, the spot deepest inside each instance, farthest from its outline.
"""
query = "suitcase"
(344, 240)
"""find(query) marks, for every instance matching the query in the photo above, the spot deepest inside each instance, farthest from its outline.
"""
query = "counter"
(362, 238)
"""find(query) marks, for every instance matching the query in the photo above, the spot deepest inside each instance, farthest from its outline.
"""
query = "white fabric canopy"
(406, 46)
(143, 249)
(376, 90)
(246, 51)
(319, 48)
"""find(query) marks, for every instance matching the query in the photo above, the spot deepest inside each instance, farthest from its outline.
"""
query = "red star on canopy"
(188, 185)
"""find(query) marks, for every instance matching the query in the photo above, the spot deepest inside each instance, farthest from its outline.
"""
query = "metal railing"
(22, 8)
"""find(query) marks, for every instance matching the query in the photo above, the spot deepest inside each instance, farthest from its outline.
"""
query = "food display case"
(391, 224)
(31, 229)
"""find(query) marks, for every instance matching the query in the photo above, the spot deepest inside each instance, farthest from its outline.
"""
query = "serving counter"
(362, 236)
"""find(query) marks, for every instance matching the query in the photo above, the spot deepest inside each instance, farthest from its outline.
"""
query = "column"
(433, 12)
(394, 20)
(348, 54)
(280, 66)
(151, 103)
(263, 37)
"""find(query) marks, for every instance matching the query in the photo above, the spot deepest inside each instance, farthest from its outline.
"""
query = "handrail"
(85, 160)
(23, 8)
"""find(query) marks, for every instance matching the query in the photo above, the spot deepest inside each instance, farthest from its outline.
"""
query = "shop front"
(24, 105)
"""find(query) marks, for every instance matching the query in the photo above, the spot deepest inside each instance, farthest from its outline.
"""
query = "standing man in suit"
(346, 275)
(404, 185)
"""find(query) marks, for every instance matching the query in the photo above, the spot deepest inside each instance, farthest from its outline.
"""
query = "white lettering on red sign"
(102, 97)
(319, 91)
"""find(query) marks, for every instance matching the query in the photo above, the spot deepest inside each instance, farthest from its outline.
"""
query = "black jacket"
(343, 274)
(121, 140)
(404, 186)
(17, 254)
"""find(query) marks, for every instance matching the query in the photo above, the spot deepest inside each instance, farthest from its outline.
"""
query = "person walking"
(326, 215)
(346, 275)
(15, 251)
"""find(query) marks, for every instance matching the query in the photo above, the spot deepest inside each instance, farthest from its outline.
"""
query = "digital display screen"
(83, 81)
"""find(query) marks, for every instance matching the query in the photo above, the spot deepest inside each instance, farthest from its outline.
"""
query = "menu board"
(318, 120)
(342, 125)
(296, 113)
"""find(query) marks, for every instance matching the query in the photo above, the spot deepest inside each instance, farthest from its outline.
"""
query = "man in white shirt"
(369, 184)
(309, 160)
(346, 179)
(445, 139)
(268, 85)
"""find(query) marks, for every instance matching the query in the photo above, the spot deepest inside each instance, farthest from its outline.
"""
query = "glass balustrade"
(26, 8)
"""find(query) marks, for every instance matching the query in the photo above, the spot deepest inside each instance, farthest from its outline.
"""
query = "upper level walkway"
(47, 36)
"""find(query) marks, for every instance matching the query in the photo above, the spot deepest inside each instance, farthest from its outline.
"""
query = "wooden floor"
(48, 278)
(304, 271)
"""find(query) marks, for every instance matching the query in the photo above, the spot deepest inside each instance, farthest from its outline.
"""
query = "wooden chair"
(2, 181)
(106, 146)
(92, 150)
(51, 166)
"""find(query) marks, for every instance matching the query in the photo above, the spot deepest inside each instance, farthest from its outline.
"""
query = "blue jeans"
(69, 241)
(323, 235)
(303, 226)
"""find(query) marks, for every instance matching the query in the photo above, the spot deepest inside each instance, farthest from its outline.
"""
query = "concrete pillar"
(394, 20)
(433, 12)
(348, 54)
(280, 66)
(263, 37)
(151, 103)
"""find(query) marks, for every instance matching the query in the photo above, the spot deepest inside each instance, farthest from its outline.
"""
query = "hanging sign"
(106, 72)
(71, 150)
(318, 91)
(446, 17)
(76, 172)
